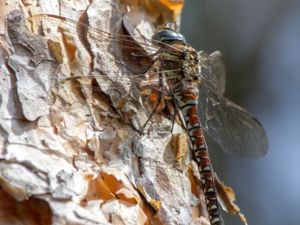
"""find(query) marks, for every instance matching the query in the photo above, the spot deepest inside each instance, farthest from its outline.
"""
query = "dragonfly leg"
(176, 112)
(173, 121)
(159, 100)
(141, 132)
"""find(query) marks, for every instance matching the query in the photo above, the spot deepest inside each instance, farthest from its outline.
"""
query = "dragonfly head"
(168, 35)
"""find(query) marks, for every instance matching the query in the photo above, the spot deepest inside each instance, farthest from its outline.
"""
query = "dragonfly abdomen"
(187, 100)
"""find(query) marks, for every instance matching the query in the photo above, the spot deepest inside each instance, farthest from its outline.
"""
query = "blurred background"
(260, 42)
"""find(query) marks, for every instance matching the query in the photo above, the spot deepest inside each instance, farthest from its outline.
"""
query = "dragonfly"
(195, 82)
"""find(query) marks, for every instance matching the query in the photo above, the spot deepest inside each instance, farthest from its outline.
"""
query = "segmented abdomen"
(187, 99)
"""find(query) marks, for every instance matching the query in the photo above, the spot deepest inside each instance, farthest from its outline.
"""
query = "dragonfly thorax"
(176, 56)
(180, 64)
(190, 65)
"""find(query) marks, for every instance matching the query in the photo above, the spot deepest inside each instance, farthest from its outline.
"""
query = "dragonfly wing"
(236, 131)
(213, 70)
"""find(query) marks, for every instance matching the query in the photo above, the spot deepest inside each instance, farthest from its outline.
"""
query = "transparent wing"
(84, 32)
(118, 53)
(213, 70)
(236, 131)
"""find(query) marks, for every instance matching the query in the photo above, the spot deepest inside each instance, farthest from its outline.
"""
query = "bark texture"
(71, 152)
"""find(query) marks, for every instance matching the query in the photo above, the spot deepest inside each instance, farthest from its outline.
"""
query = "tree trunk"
(74, 151)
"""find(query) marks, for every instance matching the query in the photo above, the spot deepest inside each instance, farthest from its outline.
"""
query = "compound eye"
(168, 35)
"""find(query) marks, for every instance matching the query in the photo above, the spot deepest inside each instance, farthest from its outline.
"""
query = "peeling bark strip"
(33, 67)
